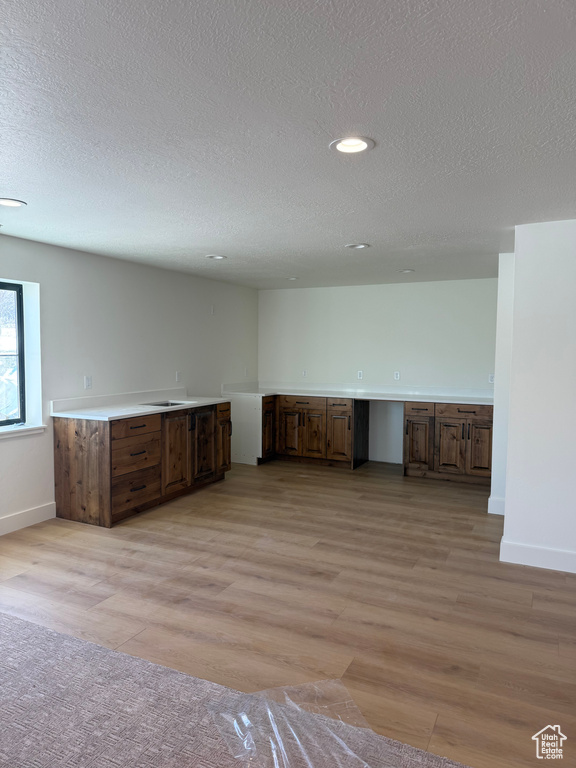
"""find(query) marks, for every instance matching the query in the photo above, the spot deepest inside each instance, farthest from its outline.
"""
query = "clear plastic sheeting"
(330, 698)
(296, 727)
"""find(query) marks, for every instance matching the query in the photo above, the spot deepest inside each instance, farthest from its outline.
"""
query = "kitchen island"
(115, 456)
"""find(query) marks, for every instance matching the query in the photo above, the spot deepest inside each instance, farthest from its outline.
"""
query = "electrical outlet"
(178, 375)
(490, 378)
(304, 373)
(360, 375)
(87, 382)
(396, 375)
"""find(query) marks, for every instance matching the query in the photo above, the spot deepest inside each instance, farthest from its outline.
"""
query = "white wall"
(437, 334)
(540, 522)
(130, 327)
(502, 385)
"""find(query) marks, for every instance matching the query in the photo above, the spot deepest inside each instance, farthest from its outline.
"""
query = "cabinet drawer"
(137, 426)
(301, 402)
(419, 409)
(460, 411)
(223, 410)
(135, 488)
(339, 403)
(132, 453)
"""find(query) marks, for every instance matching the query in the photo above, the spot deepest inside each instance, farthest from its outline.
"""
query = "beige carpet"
(65, 703)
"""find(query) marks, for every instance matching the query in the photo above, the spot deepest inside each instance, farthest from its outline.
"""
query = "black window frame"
(17, 288)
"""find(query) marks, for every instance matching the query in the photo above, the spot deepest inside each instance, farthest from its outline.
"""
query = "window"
(12, 386)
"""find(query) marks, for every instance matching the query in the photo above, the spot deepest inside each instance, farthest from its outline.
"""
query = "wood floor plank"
(69, 620)
(287, 574)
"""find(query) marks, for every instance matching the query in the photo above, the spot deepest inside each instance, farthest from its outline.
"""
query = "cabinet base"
(265, 460)
(454, 478)
(343, 464)
(117, 518)
(165, 499)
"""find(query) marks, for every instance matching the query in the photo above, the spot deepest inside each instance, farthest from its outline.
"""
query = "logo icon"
(549, 743)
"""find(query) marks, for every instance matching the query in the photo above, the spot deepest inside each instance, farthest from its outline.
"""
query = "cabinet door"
(451, 445)
(479, 448)
(419, 442)
(204, 442)
(176, 456)
(314, 433)
(223, 445)
(339, 435)
(268, 432)
(289, 433)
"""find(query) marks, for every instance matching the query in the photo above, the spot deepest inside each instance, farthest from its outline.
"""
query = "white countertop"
(396, 396)
(111, 407)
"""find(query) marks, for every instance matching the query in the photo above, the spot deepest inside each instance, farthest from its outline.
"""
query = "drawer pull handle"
(420, 409)
(348, 422)
(463, 427)
(338, 405)
(302, 402)
(138, 488)
(468, 430)
(407, 425)
(460, 411)
(139, 453)
(140, 426)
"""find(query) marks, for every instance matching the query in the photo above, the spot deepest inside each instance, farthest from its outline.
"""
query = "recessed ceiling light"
(291, 278)
(352, 144)
(215, 256)
(405, 271)
(357, 246)
(10, 202)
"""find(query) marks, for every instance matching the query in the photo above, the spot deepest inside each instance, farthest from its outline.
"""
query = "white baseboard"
(27, 517)
(539, 557)
(496, 505)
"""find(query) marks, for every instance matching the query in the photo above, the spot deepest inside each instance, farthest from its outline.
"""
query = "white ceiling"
(163, 130)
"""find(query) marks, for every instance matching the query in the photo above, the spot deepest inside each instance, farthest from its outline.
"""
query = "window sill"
(15, 430)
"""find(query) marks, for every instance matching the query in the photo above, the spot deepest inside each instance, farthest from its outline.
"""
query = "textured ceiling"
(162, 130)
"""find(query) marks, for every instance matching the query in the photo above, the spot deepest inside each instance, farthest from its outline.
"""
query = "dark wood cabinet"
(448, 441)
(289, 422)
(419, 443)
(419, 436)
(339, 429)
(223, 438)
(203, 429)
(479, 449)
(331, 430)
(176, 452)
(464, 439)
(268, 427)
(107, 471)
(450, 453)
(302, 422)
(314, 433)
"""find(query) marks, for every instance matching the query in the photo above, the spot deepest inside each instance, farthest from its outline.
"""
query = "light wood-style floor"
(286, 573)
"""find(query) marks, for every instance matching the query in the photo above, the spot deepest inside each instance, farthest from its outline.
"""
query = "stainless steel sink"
(170, 403)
